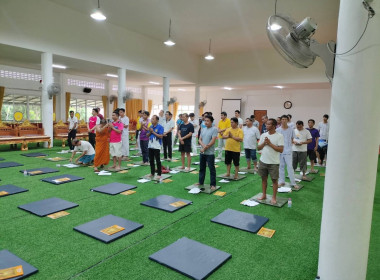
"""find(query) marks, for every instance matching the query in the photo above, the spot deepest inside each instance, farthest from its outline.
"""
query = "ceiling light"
(112, 75)
(98, 15)
(181, 89)
(209, 56)
(275, 26)
(59, 66)
(154, 83)
(228, 88)
(169, 42)
(280, 87)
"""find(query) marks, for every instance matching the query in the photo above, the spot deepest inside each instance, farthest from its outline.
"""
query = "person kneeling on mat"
(88, 152)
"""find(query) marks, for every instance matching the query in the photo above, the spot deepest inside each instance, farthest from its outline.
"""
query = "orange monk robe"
(102, 151)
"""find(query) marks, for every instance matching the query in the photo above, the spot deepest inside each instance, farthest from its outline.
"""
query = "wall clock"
(288, 104)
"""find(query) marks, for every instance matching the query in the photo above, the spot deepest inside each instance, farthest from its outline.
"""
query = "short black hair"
(116, 112)
(191, 115)
(122, 109)
(169, 113)
(224, 114)
(237, 111)
(289, 116)
(311, 120)
(146, 113)
(71, 112)
(299, 122)
(252, 117)
(326, 116)
(274, 122)
(285, 116)
(234, 120)
(211, 118)
(157, 117)
(96, 110)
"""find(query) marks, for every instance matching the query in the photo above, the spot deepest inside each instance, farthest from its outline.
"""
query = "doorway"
(259, 114)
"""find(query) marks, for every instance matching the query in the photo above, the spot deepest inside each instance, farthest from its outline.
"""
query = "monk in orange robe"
(102, 152)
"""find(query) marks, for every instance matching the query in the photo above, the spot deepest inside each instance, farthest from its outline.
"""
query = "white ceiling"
(233, 25)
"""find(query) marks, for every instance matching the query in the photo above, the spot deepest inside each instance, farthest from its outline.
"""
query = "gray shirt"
(207, 134)
(288, 135)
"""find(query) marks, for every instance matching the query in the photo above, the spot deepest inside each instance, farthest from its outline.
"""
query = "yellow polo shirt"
(231, 144)
(223, 125)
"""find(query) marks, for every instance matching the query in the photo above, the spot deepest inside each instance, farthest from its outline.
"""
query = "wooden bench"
(61, 131)
(32, 134)
(9, 135)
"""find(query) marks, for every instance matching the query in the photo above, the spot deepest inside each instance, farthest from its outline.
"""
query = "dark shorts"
(184, 148)
(311, 154)
(232, 156)
(269, 169)
(250, 154)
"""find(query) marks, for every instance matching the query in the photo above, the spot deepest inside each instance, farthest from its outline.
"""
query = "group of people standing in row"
(281, 142)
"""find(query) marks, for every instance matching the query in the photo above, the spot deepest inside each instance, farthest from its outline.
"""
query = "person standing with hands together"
(271, 144)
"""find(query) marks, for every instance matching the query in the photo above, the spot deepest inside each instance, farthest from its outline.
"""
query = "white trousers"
(194, 145)
(288, 161)
(221, 144)
(125, 145)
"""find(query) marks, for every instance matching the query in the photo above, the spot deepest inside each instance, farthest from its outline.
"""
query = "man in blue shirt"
(155, 135)
(313, 146)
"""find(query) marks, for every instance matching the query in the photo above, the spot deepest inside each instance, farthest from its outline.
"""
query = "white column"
(197, 97)
(62, 98)
(165, 95)
(353, 147)
(122, 72)
(144, 92)
(46, 103)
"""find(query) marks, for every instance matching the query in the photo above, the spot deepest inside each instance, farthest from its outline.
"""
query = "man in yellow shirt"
(233, 135)
(223, 124)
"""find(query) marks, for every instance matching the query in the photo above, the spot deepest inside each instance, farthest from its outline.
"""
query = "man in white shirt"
(302, 137)
(124, 135)
(88, 152)
(323, 128)
(290, 123)
(167, 136)
(240, 120)
(73, 125)
(271, 144)
(255, 122)
(195, 123)
(286, 155)
(161, 116)
(251, 135)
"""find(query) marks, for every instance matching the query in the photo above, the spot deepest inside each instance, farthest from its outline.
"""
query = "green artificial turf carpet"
(59, 252)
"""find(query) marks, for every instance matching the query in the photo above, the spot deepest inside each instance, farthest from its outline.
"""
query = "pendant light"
(169, 42)
(209, 56)
(97, 14)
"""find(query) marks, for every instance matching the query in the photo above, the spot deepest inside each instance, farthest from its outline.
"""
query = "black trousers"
(154, 154)
(91, 139)
(167, 143)
(70, 137)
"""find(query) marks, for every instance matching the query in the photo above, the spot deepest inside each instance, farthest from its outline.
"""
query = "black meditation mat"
(1, 159)
(34, 155)
(240, 220)
(39, 171)
(163, 202)
(93, 228)
(9, 164)
(61, 179)
(6, 190)
(47, 206)
(113, 188)
(7, 260)
(191, 258)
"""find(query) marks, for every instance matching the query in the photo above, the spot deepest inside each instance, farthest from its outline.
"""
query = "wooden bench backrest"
(60, 128)
(6, 130)
(27, 128)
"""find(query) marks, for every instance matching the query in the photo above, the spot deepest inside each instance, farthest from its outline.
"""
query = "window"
(80, 83)
(185, 109)
(29, 106)
(20, 75)
(84, 107)
(156, 110)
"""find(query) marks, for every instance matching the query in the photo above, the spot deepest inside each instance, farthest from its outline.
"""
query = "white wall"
(307, 104)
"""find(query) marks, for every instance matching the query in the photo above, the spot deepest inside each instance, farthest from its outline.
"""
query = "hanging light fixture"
(209, 56)
(169, 42)
(97, 14)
